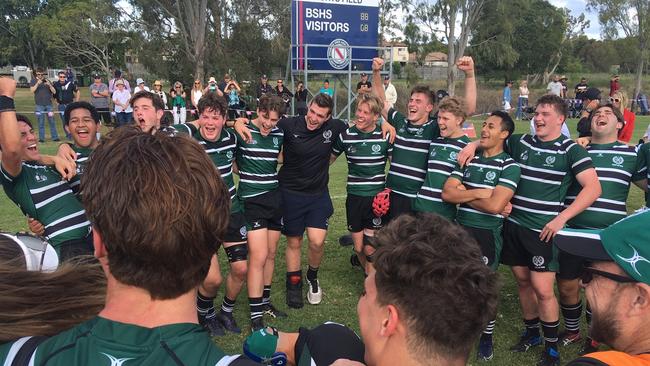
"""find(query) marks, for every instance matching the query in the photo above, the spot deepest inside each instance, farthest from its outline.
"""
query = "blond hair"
(454, 105)
(372, 101)
(623, 97)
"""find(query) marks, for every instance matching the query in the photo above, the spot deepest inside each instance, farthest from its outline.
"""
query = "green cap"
(261, 345)
(626, 242)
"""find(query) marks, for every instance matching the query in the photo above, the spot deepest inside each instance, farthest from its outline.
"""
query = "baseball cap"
(139, 81)
(592, 94)
(260, 346)
(212, 80)
(96, 76)
(387, 77)
(364, 74)
(625, 242)
(264, 76)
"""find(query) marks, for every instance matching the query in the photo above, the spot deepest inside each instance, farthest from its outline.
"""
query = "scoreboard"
(338, 27)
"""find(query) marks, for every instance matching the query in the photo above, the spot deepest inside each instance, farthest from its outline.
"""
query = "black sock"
(550, 330)
(294, 278)
(487, 333)
(227, 305)
(532, 326)
(266, 295)
(256, 307)
(571, 314)
(312, 274)
(205, 306)
(588, 314)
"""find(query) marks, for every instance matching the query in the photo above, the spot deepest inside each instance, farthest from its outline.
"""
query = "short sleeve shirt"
(486, 172)
(257, 161)
(548, 168)
(83, 154)
(65, 92)
(98, 102)
(42, 95)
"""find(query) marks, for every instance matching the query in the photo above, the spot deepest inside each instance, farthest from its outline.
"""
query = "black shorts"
(236, 231)
(571, 266)
(300, 211)
(399, 205)
(522, 247)
(76, 247)
(264, 211)
(490, 242)
(358, 210)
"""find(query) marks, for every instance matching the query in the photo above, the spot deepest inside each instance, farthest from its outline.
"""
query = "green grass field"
(341, 283)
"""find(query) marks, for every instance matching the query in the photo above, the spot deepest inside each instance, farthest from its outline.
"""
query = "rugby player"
(415, 131)
(442, 158)
(549, 163)
(220, 145)
(154, 258)
(148, 110)
(616, 165)
(366, 152)
(257, 162)
(40, 190)
(484, 189)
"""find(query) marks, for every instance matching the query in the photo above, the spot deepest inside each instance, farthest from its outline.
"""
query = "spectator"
(43, 92)
(506, 97)
(614, 85)
(580, 88)
(264, 88)
(66, 93)
(179, 109)
(285, 94)
(364, 86)
(118, 76)
(213, 87)
(522, 101)
(198, 91)
(325, 89)
(157, 89)
(617, 286)
(122, 105)
(301, 99)
(69, 75)
(99, 98)
(234, 102)
(139, 86)
(555, 86)
(565, 87)
(591, 100)
(391, 93)
(620, 102)
(643, 103)
(224, 83)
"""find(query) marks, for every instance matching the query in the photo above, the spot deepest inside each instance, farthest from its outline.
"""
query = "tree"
(632, 18)
(455, 31)
(388, 21)
(87, 34)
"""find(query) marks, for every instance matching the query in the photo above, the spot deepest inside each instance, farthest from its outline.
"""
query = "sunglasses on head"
(588, 275)
(614, 100)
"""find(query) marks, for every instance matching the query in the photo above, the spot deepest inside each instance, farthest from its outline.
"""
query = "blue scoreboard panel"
(338, 26)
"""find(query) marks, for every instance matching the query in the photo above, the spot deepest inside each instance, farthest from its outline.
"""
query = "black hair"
(81, 104)
(507, 124)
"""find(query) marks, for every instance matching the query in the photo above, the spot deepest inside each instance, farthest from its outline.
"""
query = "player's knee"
(316, 245)
(237, 253)
(238, 270)
(212, 282)
(369, 247)
(568, 289)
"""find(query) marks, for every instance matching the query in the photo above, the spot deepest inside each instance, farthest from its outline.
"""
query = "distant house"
(436, 59)
(400, 52)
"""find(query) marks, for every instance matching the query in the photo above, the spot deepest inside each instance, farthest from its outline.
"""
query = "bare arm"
(333, 158)
(590, 192)
(466, 65)
(454, 192)
(9, 132)
(377, 85)
(494, 204)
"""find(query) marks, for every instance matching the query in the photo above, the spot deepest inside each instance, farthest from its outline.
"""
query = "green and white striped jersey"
(82, 160)
(547, 170)
(366, 153)
(443, 155)
(40, 192)
(100, 341)
(258, 162)
(644, 161)
(616, 165)
(482, 172)
(408, 166)
(222, 154)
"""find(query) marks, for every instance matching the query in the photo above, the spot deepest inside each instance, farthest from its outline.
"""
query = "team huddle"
(513, 194)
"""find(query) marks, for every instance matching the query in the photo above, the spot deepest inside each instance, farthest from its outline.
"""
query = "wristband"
(7, 104)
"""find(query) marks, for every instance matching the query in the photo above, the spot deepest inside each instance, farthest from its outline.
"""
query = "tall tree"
(457, 18)
(18, 41)
(632, 18)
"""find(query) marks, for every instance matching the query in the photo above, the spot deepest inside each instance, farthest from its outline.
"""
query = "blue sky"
(577, 7)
